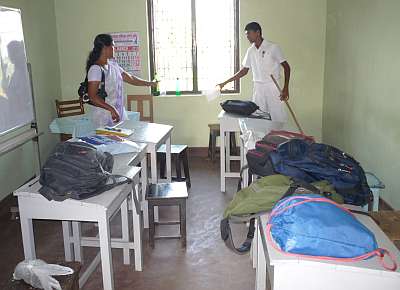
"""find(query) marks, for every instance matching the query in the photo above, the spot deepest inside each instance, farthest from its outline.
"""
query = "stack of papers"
(114, 131)
(112, 144)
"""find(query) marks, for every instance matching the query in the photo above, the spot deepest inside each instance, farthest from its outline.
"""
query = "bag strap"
(226, 235)
(281, 208)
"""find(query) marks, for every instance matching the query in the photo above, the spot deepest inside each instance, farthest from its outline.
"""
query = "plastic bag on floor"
(38, 274)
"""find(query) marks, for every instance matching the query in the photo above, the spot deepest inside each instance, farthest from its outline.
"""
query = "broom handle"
(287, 104)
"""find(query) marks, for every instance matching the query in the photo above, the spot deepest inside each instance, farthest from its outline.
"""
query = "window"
(194, 43)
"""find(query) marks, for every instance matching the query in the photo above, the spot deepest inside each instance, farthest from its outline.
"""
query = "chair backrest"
(140, 99)
(69, 108)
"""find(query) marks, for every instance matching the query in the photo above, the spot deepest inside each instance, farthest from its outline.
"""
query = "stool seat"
(167, 194)
(175, 149)
(179, 153)
(172, 190)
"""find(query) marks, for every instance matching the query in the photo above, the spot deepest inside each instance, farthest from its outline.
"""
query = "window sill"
(194, 95)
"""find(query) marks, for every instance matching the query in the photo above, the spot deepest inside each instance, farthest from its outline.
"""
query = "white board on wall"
(16, 102)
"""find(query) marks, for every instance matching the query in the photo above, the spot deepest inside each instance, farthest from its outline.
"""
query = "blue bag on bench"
(314, 227)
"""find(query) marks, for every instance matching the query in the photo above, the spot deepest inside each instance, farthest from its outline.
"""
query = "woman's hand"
(114, 115)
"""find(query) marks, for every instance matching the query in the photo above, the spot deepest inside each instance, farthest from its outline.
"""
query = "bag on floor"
(314, 227)
(259, 198)
(77, 170)
(315, 161)
(238, 107)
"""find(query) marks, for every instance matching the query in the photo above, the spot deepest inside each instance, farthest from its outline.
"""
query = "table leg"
(125, 229)
(228, 151)
(76, 232)
(143, 200)
(168, 158)
(28, 238)
(105, 252)
(222, 159)
(137, 235)
(261, 270)
(66, 227)
(154, 174)
(254, 245)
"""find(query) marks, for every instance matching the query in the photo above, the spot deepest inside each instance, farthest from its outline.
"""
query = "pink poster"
(127, 52)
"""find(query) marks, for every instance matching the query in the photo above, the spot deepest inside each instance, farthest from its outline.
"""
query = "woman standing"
(110, 109)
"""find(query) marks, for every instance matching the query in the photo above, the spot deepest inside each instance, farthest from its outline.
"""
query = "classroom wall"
(361, 98)
(298, 26)
(38, 19)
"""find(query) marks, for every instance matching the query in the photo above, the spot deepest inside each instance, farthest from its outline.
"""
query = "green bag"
(260, 197)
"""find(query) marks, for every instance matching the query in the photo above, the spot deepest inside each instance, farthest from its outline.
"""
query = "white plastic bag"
(38, 274)
(212, 94)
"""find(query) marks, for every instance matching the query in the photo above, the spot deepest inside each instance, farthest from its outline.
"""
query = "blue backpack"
(314, 227)
(312, 162)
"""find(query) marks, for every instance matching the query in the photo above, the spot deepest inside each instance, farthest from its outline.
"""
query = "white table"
(154, 135)
(230, 123)
(134, 159)
(287, 273)
(99, 209)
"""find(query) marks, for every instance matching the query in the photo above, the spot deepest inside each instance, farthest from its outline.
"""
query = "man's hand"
(221, 85)
(154, 84)
(285, 94)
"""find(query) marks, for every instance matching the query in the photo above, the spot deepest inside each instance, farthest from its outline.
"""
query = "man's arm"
(236, 77)
(132, 80)
(285, 90)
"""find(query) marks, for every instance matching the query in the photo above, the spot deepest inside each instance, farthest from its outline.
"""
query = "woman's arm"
(132, 80)
(97, 101)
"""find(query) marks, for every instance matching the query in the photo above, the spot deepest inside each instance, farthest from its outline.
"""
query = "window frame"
(195, 91)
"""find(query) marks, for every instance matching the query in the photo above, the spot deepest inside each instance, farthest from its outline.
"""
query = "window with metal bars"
(194, 44)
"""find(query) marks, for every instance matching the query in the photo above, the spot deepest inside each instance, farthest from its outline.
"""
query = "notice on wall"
(126, 51)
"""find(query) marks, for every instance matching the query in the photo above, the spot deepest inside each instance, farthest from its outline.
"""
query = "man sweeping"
(265, 58)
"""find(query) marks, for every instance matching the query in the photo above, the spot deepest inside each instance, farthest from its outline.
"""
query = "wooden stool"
(168, 194)
(212, 141)
(179, 153)
(68, 282)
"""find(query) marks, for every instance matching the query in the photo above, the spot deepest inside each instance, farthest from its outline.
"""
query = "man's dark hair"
(253, 26)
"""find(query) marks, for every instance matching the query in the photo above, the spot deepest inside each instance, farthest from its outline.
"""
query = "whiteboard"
(16, 102)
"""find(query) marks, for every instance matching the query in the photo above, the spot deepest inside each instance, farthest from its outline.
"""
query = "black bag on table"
(244, 108)
(77, 170)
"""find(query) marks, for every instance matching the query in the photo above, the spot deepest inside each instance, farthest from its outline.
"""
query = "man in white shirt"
(264, 58)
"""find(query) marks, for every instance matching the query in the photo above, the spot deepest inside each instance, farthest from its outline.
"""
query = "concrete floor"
(205, 264)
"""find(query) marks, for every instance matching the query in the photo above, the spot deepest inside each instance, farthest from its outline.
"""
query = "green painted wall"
(299, 26)
(38, 19)
(361, 103)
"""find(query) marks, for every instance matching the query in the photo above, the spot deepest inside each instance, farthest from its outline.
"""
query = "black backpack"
(77, 170)
(83, 89)
(244, 108)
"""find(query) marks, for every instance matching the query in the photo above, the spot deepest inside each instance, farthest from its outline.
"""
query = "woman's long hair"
(99, 43)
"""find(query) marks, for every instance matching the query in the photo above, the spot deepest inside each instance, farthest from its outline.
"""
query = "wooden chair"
(140, 99)
(69, 108)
